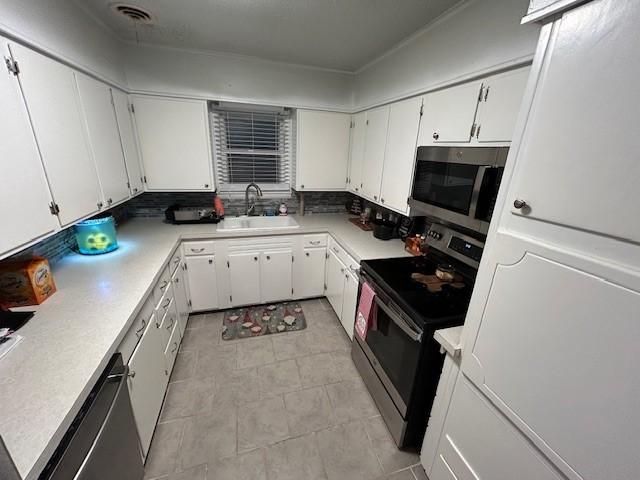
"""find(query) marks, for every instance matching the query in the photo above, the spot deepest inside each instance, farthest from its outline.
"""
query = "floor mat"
(263, 320)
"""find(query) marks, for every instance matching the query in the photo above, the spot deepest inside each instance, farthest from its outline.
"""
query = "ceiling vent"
(133, 13)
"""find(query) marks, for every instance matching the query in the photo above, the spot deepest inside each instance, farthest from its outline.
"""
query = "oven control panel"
(458, 245)
(466, 248)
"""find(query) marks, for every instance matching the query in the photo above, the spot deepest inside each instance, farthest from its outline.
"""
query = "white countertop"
(45, 379)
(450, 340)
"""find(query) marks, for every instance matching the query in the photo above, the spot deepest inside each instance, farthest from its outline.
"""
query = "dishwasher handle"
(118, 426)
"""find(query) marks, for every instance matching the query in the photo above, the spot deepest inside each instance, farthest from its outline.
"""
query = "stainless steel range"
(399, 360)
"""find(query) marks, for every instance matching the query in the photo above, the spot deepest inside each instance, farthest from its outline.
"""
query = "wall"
(477, 37)
(64, 31)
(163, 71)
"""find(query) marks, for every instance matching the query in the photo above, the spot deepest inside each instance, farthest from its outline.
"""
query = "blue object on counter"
(96, 236)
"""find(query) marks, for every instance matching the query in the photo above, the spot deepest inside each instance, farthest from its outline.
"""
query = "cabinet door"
(203, 284)
(477, 442)
(555, 340)
(375, 143)
(128, 139)
(500, 105)
(450, 114)
(181, 299)
(244, 278)
(276, 274)
(356, 151)
(147, 382)
(322, 150)
(578, 165)
(52, 99)
(400, 155)
(104, 138)
(174, 141)
(24, 193)
(334, 292)
(349, 303)
(312, 284)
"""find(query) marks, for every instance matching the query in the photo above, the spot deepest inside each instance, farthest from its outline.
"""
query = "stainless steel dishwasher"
(102, 442)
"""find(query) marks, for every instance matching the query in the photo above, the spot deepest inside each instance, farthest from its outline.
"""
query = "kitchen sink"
(245, 223)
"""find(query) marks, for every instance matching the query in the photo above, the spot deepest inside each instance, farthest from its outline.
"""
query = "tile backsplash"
(153, 204)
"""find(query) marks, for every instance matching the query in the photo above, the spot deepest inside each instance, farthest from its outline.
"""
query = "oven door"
(393, 348)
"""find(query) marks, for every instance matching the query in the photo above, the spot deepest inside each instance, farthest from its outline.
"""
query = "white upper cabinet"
(104, 138)
(579, 156)
(400, 154)
(322, 150)
(128, 139)
(375, 142)
(24, 193)
(174, 142)
(449, 114)
(356, 151)
(52, 99)
(500, 104)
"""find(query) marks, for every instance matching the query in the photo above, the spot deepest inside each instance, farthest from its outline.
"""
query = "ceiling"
(334, 34)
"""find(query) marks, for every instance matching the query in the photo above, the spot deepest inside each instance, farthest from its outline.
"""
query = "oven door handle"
(399, 321)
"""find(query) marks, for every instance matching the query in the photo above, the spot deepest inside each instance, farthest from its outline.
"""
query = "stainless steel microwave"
(458, 184)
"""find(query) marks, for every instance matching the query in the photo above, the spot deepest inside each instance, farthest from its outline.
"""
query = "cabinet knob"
(268, 257)
(110, 201)
(100, 205)
(131, 374)
(519, 204)
(301, 186)
(255, 258)
(382, 200)
(375, 197)
(206, 185)
(307, 254)
(436, 136)
(210, 261)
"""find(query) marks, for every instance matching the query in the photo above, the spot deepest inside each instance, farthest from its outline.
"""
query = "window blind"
(252, 146)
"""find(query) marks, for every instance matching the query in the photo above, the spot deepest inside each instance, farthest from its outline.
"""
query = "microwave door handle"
(477, 186)
(398, 320)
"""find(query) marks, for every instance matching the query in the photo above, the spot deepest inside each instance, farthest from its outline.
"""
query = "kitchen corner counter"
(45, 379)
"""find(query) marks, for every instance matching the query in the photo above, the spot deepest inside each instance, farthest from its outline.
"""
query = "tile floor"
(280, 407)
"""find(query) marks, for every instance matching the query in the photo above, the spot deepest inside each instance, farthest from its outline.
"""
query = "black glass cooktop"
(394, 277)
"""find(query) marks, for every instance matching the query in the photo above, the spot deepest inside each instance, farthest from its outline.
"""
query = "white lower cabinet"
(244, 278)
(334, 290)
(312, 279)
(171, 350)
(180, 297)
(203, 282)
(349, 303)
(477, 442)
(147, 381)
(276, 275)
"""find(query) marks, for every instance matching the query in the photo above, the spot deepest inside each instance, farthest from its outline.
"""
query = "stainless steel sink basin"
(245, 223)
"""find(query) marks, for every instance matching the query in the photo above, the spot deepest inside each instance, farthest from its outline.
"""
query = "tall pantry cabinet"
(550, 340)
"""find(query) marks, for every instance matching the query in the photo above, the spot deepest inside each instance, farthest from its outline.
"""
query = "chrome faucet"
(250, 208)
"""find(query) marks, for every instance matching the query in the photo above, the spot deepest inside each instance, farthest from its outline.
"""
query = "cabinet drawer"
(169, 322)
(163, 283)
(344, 257)
(171, 351)
(174, 263)
(137, 330)
(202, 247)
(311, 241)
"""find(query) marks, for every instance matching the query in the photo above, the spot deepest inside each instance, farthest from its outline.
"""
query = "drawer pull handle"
(176, 260)
(164, 285)
(197, 250)
(166, 304)
(170, 326)
(141, 329)
(131, 374)
(336, 250)
(315, 242)
(175, 347)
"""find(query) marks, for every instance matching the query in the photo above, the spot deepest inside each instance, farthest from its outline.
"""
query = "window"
(252, 146)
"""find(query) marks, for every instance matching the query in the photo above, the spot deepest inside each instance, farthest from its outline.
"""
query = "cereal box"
(25, 282)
